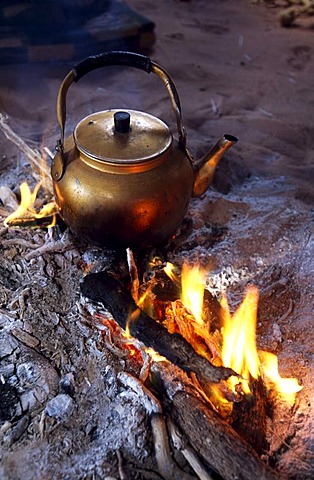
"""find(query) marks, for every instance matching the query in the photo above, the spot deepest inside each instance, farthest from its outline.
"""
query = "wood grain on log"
(216, 441)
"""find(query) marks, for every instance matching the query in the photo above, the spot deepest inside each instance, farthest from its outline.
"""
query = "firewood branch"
(187, 451)
(217, 445)
(166, 465)
(102, 287)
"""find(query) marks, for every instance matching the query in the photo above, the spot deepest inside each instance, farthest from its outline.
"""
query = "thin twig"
(122, 474)
(166, 465)
(50, 247)
(40, 168)
(188, 452)
(19, 242)
(287, 312)
(135, 283)
(293, 450)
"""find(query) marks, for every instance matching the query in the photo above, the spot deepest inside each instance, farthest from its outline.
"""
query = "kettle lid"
(122, 137)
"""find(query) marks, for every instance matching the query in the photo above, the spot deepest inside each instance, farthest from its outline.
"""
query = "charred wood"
(102, 287)
(249, 417)
(216, 442)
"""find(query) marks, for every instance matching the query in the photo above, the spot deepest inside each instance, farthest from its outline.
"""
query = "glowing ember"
(130, 343)
(26, 213)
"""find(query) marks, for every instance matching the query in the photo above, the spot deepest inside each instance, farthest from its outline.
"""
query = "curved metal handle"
(128, 59)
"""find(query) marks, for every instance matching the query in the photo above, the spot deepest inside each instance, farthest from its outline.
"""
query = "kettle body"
(123, 206)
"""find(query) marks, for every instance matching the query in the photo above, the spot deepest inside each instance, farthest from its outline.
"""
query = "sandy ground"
(237, 71)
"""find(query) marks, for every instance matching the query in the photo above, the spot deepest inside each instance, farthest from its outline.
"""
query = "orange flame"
(286, 387)
(192, 282)
(132, 317)
(156, 357)
(26, 211)
(169, 269)
(192, 288)
(239, 350)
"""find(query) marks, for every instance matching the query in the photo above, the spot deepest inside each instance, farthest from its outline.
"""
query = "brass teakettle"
(122, 179)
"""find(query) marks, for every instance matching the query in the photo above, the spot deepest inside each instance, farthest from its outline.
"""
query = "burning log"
(102, 287)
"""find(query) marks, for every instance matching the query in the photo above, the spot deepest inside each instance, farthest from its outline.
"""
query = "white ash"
(7, 345)
(218, 282)
(60, 407)
(277, 334)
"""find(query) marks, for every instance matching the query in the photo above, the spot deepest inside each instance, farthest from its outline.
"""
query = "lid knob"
(122, 122)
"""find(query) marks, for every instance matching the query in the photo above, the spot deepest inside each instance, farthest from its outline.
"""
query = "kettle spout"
(206, 166)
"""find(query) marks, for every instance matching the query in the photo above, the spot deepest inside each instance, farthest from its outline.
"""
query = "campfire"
(236, 347)
(240, 378)
(165, 319)
(233, 345)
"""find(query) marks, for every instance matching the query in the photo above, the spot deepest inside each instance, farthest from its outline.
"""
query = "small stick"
(21, 242)
(135, 283)
(32, 222)
(50, 247)
(188, 452)
(34, 158)
(166, 465)
(120, 466)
